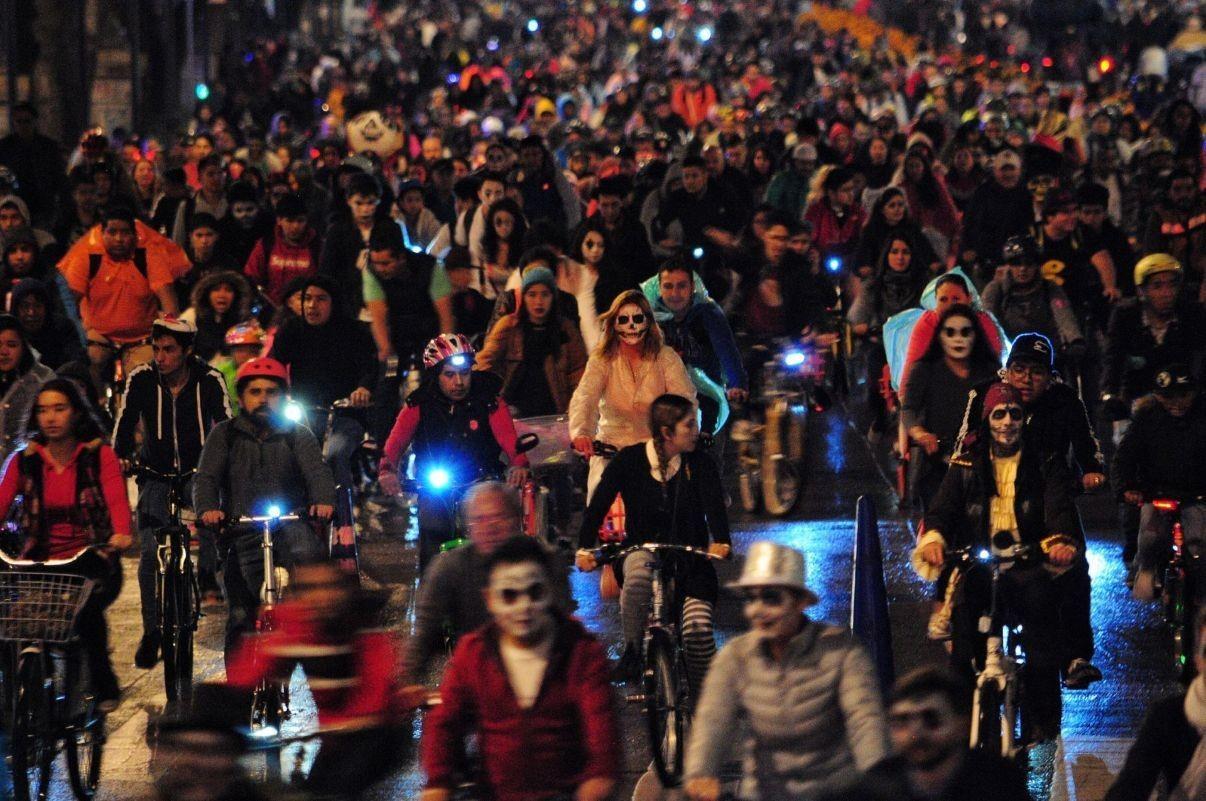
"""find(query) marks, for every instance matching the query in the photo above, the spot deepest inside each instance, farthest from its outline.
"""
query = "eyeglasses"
(951, 331)
(1022, 371)
(1014, 412)
(931, 719)
(769, 596)
(537, 592)
(635, 319)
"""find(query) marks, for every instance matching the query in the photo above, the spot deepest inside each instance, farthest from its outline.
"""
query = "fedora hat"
(769, 564)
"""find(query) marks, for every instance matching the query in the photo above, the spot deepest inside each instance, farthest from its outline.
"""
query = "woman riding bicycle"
(672, 495)
(71, 495)
(630, 367)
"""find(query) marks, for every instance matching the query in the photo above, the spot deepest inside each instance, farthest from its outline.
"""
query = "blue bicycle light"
(697, 253)
(793, 358)
(984, 555)
(274, 511)
(657, 33)
(640, 6)
(833, 264)
(438, 478)
(294, 412)
(533, 25)
(458, 360)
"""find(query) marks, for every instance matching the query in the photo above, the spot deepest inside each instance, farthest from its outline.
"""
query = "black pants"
(91, 624)
(348, 764)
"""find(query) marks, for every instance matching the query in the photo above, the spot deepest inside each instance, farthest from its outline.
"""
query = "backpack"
(94, 263)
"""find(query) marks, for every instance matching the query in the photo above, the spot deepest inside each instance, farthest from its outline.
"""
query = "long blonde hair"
(816, 185)
(609, 343)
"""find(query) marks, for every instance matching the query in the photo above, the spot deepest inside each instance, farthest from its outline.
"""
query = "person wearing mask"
(74, 498)
(998, 209)
(538, 353)
(176, 399)
(929, 719)
(330, 357)
(246, 223)
(257, 460)
(532, 685)
(21, 374)
(291, 250)
(46, 330)
(672, 494)
(807, 690)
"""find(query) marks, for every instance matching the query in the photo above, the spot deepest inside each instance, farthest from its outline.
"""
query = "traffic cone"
(869, 595)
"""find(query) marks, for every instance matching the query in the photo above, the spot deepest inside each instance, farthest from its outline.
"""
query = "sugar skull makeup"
(957, 334)
(631, 324)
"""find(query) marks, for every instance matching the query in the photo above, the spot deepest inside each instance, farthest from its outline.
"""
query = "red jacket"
(570, 734)
(273, 262)
(830, 233)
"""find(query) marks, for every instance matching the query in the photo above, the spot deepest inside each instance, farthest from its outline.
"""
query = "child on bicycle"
(672, 495)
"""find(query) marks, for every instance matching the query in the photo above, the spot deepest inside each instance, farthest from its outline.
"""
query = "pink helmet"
(446, 346)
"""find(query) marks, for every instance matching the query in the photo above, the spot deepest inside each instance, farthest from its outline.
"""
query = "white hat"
(769, 564)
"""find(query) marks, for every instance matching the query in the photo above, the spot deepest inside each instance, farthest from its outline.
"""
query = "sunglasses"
(951, 331)
(769, 596)
(536, 592)
(931, 719)
(635, 319)
(1014, 412)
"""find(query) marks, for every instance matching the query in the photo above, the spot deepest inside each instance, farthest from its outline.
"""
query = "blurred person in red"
(351, 669)
(532, 685)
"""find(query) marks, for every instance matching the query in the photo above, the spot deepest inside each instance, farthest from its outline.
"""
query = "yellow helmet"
(1154, 263)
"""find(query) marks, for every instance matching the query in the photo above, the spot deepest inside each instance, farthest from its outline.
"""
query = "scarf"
(90, 511)
(1193, 781)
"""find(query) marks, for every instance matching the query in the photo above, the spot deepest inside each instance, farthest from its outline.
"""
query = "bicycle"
(770, 455)
(1179, 584)
(997, 723)
(47, 686)
(665, 688)
(177, 593)
(118, 370)
(270, 705)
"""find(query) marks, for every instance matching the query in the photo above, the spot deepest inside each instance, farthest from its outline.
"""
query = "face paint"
(773, 612)
(958, 334)
(520, 601)
(631, 324)
(1005, 423)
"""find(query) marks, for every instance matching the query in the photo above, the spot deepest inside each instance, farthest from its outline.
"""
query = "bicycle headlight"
(793, 358)
(274, 510)
(438, 478)
(294, 412)
(833, 264)
(984, 555)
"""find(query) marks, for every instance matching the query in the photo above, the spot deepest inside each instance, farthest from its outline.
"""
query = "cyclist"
(329, 356)
(451, 599)
(249, 464)
(532, 684)
(456, 423)
(807, 690)
(1000, 486)
(696, 328)
(21, 374)
(72, 497)
(672, 494)
(628, 370)
(176, 399)
(1164, 451)
(1023, 300)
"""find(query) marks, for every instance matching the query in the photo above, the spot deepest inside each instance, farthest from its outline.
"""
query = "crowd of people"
(463, 216)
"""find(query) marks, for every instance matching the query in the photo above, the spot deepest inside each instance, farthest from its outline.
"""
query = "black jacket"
(1043, 501)
(1162, 453)
(1163, 747)
(174, 427)
(327, 362)
(993, 215)
(1132, 355)
(983, 777)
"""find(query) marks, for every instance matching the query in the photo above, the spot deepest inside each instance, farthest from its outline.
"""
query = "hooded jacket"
(702, 338)
(211, 331)
(175, 427)
(43, 270)
(45, 239)
(58, 341)
(17, 402)
(274, 262)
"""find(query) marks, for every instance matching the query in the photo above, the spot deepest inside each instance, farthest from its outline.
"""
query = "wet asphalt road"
(1134, 651)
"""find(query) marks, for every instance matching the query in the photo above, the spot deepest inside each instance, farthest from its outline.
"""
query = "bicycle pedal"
(636, 698)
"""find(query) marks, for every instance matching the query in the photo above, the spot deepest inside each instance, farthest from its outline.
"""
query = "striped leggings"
(699, 644)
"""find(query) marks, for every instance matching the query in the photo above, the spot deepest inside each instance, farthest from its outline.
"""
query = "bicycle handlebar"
(613, 552)
(257, 519)
(971, 553)
(140, 469)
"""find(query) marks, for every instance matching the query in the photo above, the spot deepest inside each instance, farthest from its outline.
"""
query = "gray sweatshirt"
(810, 721)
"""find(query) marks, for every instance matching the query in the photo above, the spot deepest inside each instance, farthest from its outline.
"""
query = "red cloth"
(570, 735)
(693, 106)
(943, 217)
(927, 327)
(828, 231)
(58, 497)
(273, 271)
(360, 690)
(403, 433)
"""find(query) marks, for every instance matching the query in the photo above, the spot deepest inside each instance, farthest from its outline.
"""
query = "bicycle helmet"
(183, 330)
(1019, 250)
(446, 346)
(263, 367)
(245, 334)
(1154, 263)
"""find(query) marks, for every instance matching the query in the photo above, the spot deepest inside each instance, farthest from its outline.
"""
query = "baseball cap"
(1173, 379)
(1033, 348)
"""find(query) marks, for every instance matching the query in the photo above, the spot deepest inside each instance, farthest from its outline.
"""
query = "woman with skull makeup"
(629, 368)
(999, 486)
(935, 394)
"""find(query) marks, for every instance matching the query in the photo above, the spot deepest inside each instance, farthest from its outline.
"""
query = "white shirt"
(525, 669)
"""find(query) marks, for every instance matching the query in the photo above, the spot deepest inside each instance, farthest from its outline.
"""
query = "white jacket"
(612, 404)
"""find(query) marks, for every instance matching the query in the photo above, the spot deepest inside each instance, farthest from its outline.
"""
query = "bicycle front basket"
(41, 606)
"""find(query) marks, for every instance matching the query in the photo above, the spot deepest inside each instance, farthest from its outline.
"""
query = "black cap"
(1173, 379)
(1033, 348)
(1058, 200)
(290, 207)
(1019, 249)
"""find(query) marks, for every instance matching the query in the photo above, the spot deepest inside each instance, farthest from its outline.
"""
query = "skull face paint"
(957, 336)
(1005, 424)
(631, 324)
(520, 601)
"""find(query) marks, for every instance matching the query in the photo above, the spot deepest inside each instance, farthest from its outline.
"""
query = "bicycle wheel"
(168, 634)
(665, 707)
(32, 732)
(85, 744)
(178, 665)
(267, 705)
(749, 478)
(782, 452)
(986, 736)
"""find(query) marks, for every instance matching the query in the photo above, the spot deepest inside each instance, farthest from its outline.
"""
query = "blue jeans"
(293, 541)
(152, 515)
(346, 435)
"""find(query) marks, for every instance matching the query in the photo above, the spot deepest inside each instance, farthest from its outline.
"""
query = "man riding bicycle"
(1001, 486)
(177, 399)
(250, 464)
(458, 427)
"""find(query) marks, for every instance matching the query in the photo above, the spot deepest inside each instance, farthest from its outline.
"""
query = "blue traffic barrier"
(869, 595)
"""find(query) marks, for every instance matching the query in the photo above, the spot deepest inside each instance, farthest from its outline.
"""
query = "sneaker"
(148, 651)
(1081, 673)
(628, 669)
(1144, 588)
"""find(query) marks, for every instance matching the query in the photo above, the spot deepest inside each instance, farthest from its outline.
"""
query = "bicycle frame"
(1179, 584)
